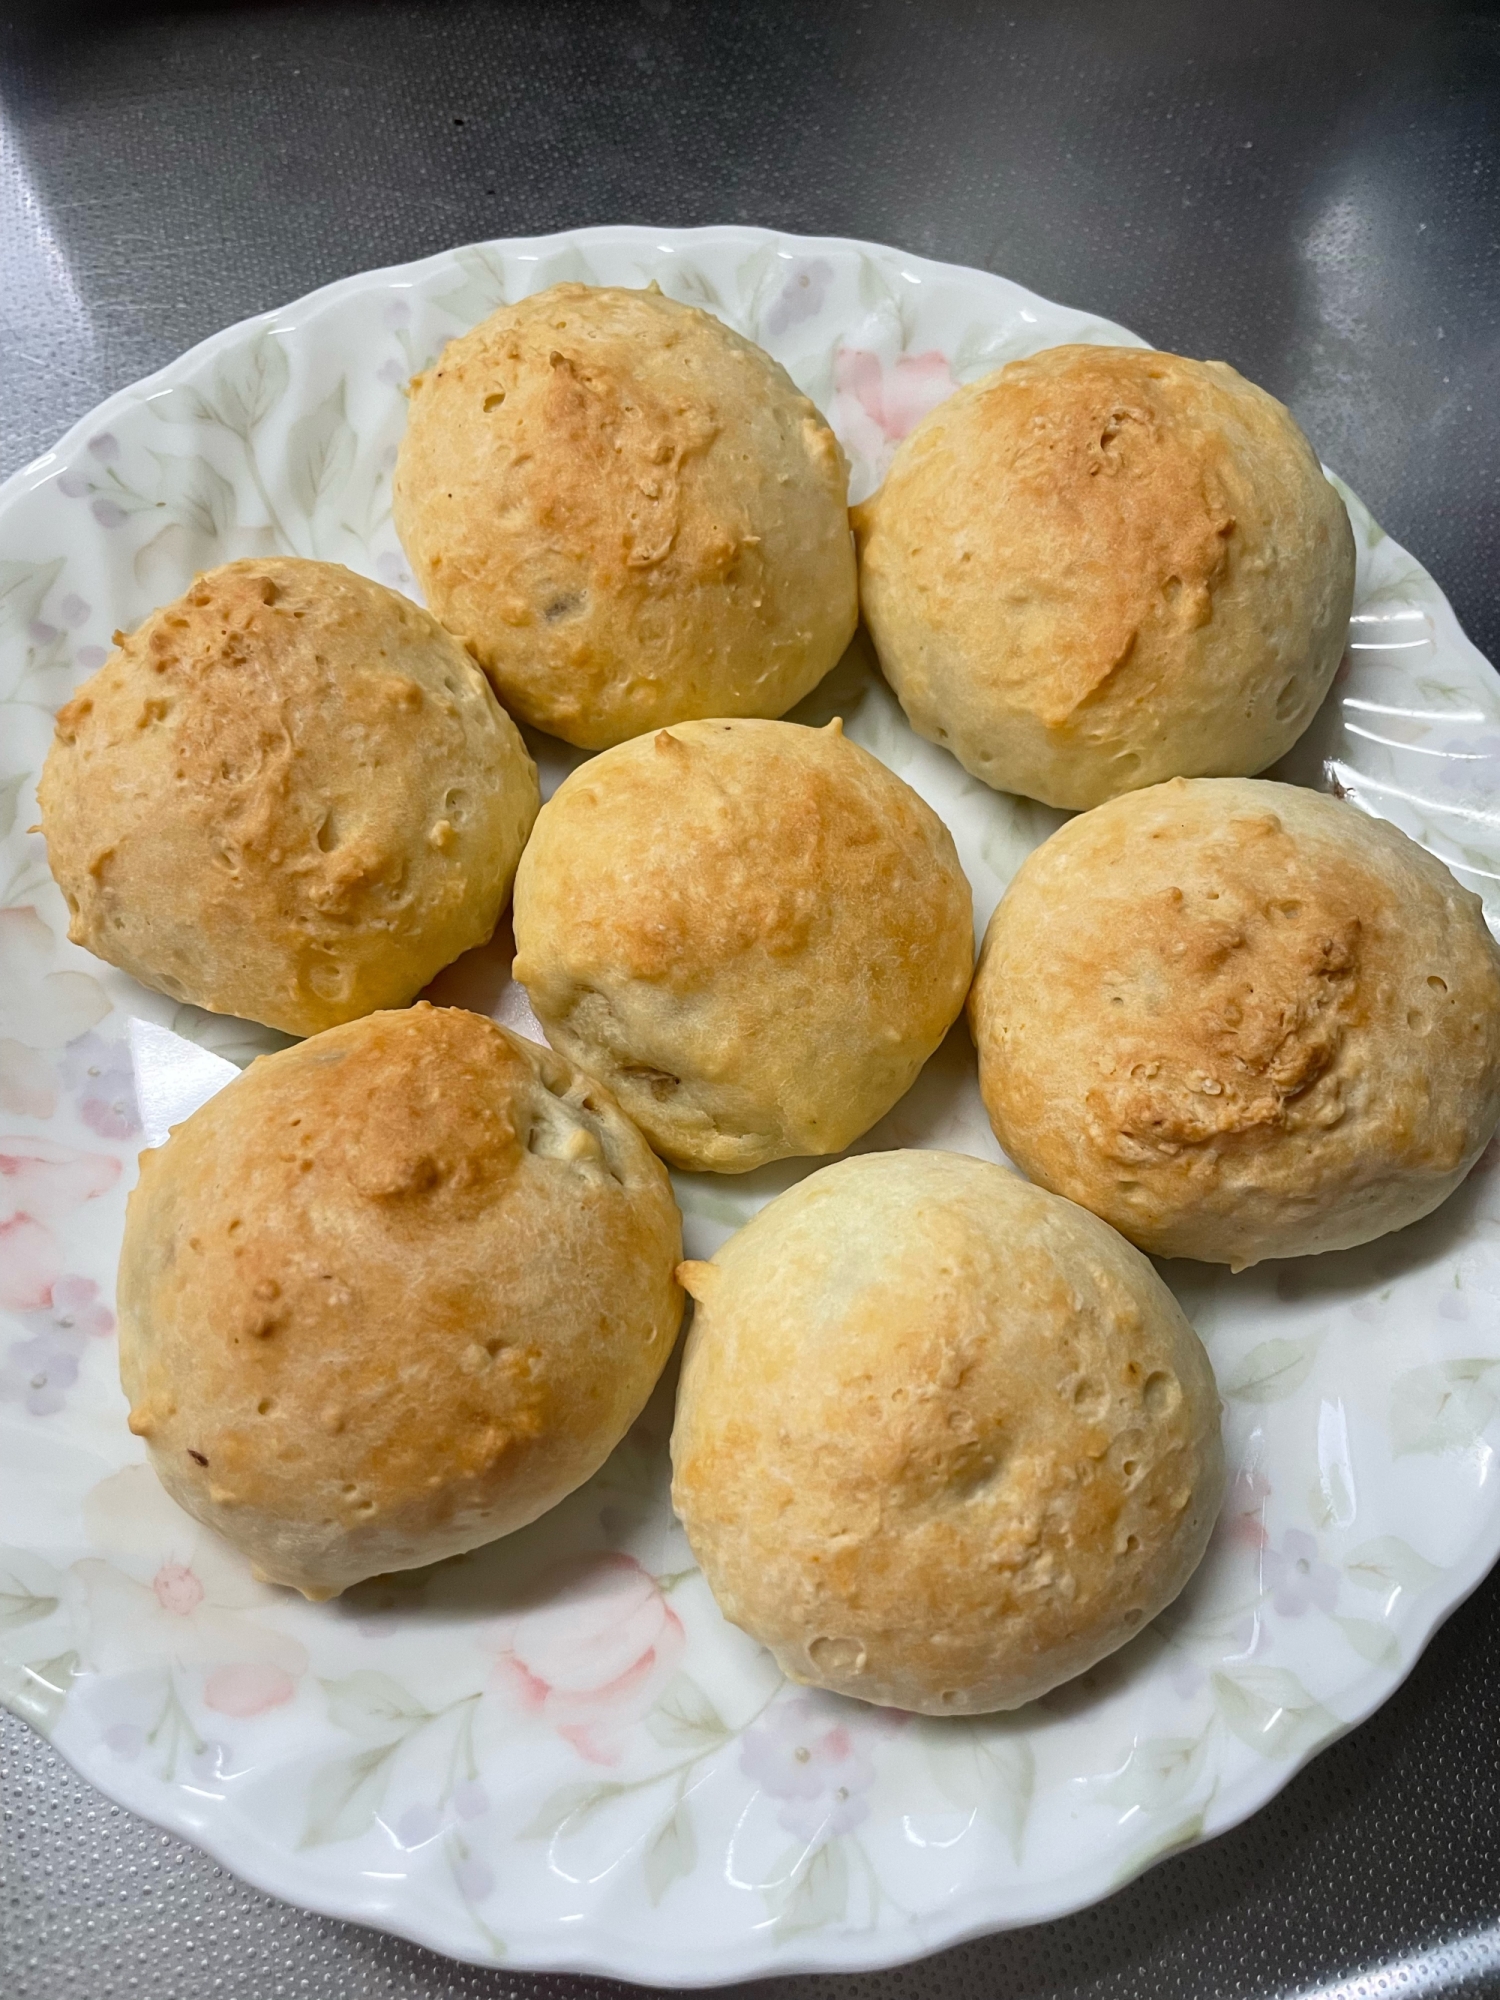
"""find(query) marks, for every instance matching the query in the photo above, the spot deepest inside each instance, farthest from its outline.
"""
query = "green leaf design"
(1443, 1407)
(983, 1766)
(683, 280)
(173, 1732)
(983, 348)
(369, 1703)
(1270, 1709)
(1275, 1369)
(877, 293)
(37, 1691)
(673, 1851)
(815, 1894)
(10, 795)
(751, 279)
(195, 494)
(567, 1808)
(23, 592)
(813, 374)
(1183, 1834)
(481, 290)
(1159, 1771)
(250, 382)
(30, 1589)
(1388, 1564)
(1371, 1640)
(182, 406)
(19, 1607)
(567, 266)
(346, 1795)
(320, 452)
(874, 287)
(685, 1719)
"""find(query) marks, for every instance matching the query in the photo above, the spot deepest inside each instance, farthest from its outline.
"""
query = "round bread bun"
(629, 514)
(942, 1440)
(290, 796)
(1239, 1020)
(753, 932)
(1102, 567)
(392, 1293)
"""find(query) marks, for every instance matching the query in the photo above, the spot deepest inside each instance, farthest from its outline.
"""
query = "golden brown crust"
(753, 932)
(289, 795)
(628, 513)
(393, 1293)
(1105, 566)
(942, 1440)
(1239, 1020)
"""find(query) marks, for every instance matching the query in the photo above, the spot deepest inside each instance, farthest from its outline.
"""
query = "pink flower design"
(28, 1087)
(40, 1185)
(803, 1753)
(248, 1687)
(177, 1589)
(165, 1590)
(875, 406)
(1296, 1577)
(592, 1652)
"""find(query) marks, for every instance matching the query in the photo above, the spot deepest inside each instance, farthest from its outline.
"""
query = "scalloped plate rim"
(609, 1955)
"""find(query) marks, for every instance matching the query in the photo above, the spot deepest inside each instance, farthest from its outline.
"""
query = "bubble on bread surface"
(836, 1656)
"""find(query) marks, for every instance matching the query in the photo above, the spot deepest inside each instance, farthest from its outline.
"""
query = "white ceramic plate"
(555, 1750)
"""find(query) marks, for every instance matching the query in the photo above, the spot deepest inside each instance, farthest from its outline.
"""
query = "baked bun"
(392, 1293)
(1239, 1020)
(290, 795)
(753, 932)
(629, 514)
(942, 1440)
(1102, 567)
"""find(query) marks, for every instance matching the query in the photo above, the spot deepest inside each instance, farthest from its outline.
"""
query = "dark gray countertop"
(1311, 191)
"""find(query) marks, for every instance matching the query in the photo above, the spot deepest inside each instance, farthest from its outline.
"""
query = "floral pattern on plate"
(555, 1750)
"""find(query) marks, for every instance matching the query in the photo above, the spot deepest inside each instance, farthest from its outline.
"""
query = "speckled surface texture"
(1309, 191)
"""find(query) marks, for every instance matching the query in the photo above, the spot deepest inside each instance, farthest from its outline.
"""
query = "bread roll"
(629, 514)
(753, 932)
(942, 1440)
(392, 1293)
(1102, 567)
(1239, 1020)
(290, 796)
